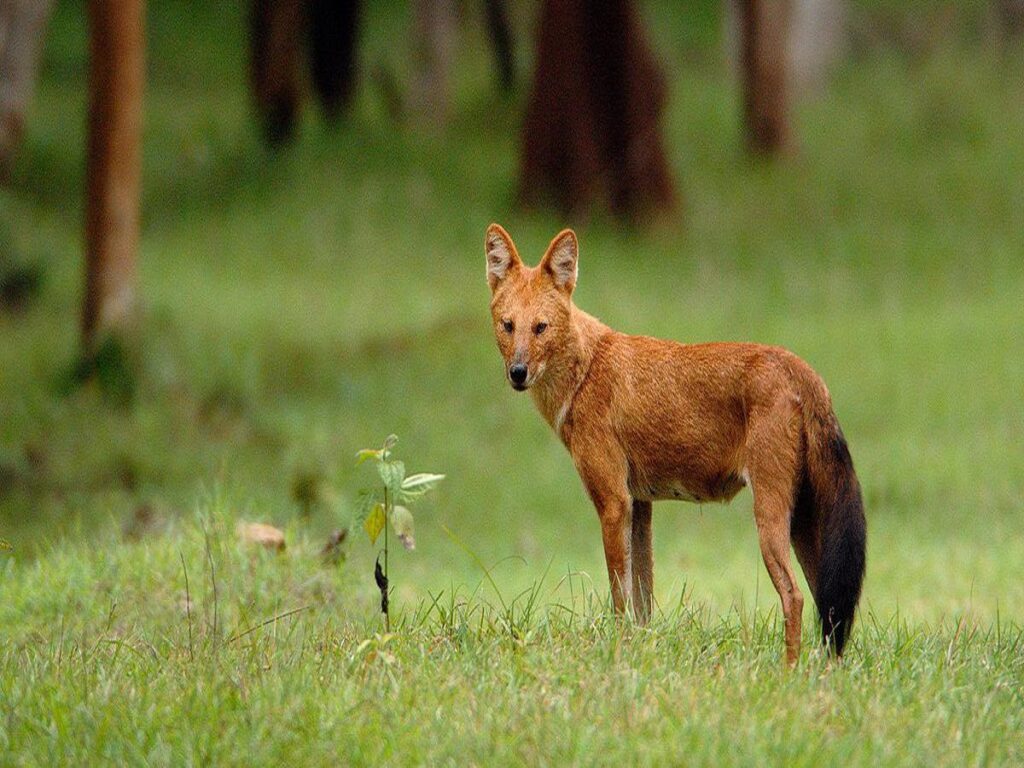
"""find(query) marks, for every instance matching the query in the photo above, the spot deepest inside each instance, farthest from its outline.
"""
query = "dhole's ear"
(562, 260)
(502, 256)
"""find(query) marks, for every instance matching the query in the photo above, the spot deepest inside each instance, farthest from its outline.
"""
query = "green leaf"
(364, 503)
(375, 521)
(392, 473)
(5, 545)
(401, 522)
(416, 485)
(368, 453)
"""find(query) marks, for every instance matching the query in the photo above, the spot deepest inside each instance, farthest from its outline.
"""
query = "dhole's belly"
(690, 489)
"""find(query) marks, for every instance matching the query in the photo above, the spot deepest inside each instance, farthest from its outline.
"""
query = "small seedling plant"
(385, 506)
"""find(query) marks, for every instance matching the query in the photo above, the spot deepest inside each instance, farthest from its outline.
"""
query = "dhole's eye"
(539, 328)
(508, 325)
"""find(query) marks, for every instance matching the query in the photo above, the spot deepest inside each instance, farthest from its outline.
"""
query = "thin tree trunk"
(500, 33)
(764, 28)
(275, 34)
(22, 30)
(1010, 14)
(113, 165)
(816, 41)
(334, 38)
(434, 34)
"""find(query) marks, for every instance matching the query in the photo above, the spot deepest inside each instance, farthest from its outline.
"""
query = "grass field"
(299, 307)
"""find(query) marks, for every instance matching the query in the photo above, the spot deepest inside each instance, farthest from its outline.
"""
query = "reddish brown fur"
(646, 419)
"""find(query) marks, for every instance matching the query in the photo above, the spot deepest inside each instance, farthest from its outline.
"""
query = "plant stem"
(387, 516)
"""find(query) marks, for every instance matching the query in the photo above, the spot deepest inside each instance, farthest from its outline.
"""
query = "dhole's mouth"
(533, 376)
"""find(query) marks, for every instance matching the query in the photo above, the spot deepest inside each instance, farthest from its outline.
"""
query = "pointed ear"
(502, 256)
(562, 260)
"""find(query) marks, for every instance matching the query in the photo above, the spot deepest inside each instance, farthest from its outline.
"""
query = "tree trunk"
(434, 34)
(500, 33)
(113, 166)
(1010, 14)
(592, 131)
(764, 26)
(275, 34)
(334, 37)
(22, 29)
(817, 40)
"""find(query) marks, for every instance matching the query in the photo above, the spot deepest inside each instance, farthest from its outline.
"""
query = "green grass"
(301, 306)
(109, 663)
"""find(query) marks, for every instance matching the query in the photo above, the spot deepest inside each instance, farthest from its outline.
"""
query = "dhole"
(646, 419)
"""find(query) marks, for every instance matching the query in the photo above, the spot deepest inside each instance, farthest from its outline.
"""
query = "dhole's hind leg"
(774, 444)
(773, 533)
(642, 558)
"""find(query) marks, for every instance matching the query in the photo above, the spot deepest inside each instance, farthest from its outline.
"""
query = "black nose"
(517, 373)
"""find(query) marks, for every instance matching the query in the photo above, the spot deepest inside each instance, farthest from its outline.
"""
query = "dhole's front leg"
(603, 470)
(616, 519)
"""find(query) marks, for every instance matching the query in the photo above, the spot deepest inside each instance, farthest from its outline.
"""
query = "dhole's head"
(531, 307)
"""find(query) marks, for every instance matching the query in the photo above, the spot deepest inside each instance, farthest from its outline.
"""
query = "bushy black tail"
(838, 514)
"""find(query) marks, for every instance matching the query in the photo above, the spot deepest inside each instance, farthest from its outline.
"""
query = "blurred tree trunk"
(22, 30)
(275, 32)
(592, 131)
(434, 35)
(334, 37)
(764, 29)
(500, 32)
(817, 39)
(113, 165)
(1010, 14)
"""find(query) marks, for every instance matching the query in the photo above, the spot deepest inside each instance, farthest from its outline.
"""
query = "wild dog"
(646, 419)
